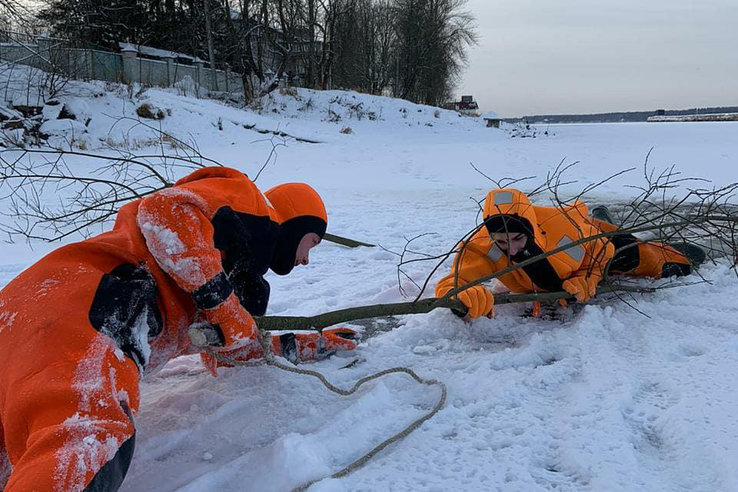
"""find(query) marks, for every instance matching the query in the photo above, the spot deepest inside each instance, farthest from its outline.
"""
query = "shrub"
(149, 112)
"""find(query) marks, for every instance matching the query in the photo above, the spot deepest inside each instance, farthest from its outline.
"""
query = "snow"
(83, 451)
(165, 244)
(69, 130)
(156, 52)
(603, 400)
(162, 239)
(600, 398)
(6, 320)
(88, 379)
(7, 317)
(141, 336)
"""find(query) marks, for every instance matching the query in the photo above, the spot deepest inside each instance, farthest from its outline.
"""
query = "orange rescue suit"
(80, 327)
(549, 228)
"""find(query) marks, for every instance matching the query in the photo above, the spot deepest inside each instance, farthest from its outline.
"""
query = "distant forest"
(618, 117)
(415, 49)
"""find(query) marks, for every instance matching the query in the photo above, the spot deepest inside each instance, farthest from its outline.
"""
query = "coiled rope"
(265, 341)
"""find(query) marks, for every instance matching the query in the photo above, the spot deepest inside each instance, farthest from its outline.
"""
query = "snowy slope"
(602, 398)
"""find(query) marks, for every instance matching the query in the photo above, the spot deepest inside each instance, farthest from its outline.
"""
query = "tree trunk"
(211, 49)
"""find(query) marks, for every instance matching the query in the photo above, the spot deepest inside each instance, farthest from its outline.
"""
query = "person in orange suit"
(79, 328)
(515, 230)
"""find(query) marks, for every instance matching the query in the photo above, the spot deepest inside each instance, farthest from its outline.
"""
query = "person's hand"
(305, 347)
(479, 301)
(582, 287)
(235, 326)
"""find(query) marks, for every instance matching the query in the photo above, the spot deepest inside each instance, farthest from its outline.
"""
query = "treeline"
(413, 48)
(631, 116)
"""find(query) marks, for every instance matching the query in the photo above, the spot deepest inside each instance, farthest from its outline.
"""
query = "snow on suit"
(548, 228)
(80, 327)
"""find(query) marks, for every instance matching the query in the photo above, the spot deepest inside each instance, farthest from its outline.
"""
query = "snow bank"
(104, 114)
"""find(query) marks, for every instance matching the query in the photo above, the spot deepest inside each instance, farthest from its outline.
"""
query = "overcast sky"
(585, 56)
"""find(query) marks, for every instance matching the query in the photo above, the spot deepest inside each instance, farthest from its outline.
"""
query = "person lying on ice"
(80, 327)
(515, 230)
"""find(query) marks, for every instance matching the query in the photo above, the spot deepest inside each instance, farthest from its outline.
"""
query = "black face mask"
(522, 255)
(290, 234)
(540, 272)
(529, 250)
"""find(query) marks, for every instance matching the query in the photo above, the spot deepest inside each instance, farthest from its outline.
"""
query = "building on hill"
(467, 106)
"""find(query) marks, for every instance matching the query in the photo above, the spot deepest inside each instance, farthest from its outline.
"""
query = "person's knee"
(675, 270)
(72, 424)
(110, 477)
(5, 467)
(80, 454)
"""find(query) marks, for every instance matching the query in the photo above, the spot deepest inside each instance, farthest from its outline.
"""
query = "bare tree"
(418, 47)
(433, 36)
(14, 15)
(84, 200)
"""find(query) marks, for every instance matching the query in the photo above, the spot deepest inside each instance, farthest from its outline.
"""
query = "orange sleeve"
(176, 226)
(472, 263)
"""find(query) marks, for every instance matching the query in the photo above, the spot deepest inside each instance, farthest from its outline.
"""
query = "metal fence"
(68, 58)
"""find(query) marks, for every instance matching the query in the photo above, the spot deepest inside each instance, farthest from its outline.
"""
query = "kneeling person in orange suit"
(515, 230)
(79, 328)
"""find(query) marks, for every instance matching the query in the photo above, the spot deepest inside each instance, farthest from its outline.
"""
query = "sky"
(591, 56)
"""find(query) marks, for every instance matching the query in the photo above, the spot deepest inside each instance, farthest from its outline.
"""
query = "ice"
(600, 398)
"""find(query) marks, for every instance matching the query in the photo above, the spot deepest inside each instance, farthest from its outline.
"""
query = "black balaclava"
(290, 234)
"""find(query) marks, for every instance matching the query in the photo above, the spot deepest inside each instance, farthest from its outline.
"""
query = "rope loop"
(270, 360)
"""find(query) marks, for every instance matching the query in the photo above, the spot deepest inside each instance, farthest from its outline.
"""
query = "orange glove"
(235, 325)
(479, 301)
(582, 287)
(296, 347)
(303, 347)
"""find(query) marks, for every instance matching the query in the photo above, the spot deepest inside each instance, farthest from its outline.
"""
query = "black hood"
(290, 234)
(508, 223)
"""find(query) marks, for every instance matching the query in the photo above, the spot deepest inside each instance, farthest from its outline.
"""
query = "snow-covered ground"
(602, 398)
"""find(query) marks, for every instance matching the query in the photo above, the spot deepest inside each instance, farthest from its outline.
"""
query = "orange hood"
(292, 200)
(509, 210)
(300, 211)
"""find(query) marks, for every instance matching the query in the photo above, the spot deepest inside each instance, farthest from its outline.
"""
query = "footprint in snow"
(649, 402)
(557, 476)
(692, 350)
(655, 395)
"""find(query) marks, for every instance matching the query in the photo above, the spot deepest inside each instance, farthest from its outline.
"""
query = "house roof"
(156, 52)
(491, 116)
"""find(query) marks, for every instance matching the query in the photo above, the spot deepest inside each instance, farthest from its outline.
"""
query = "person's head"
(510, 242)
(510, 220)
(510, 233)
(303, 222)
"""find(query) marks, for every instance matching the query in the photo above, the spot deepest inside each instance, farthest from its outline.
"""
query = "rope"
(265, 341)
